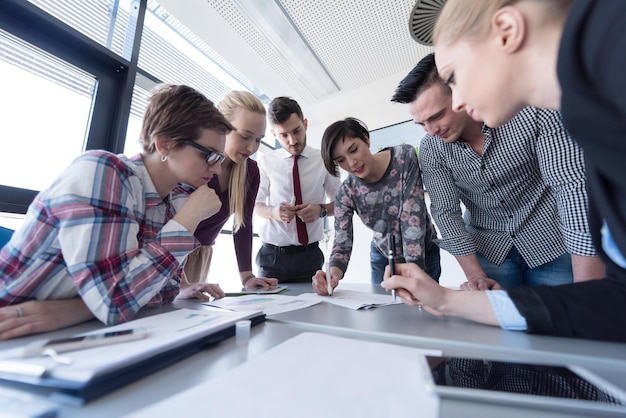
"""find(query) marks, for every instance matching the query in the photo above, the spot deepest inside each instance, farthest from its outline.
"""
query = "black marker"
(391, 252)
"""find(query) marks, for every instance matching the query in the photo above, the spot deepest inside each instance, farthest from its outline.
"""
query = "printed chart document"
(353, 378)
(269, 304)
(171, 336)
(352, 299)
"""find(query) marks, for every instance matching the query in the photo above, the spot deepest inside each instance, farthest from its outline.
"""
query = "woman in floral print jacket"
(385, 190)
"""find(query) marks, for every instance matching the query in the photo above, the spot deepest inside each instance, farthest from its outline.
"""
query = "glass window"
(54, 108)
(45, 109)
(104, 21)
(171, 53)
(132, 146)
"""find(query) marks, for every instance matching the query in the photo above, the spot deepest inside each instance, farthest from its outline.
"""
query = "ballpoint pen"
(52, 348)
(291, 203)
(391, 252)
(330, 288)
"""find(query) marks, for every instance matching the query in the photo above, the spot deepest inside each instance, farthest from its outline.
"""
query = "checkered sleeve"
(562, 166)
(445, 203)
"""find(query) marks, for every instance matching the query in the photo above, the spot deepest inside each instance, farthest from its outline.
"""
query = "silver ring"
(19, 312)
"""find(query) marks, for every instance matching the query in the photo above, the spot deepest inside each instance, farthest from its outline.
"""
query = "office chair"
(5, 235)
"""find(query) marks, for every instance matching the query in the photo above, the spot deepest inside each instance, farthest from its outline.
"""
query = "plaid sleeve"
(119, 260)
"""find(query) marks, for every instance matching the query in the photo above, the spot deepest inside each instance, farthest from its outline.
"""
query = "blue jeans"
(514, 271)
(378, 262)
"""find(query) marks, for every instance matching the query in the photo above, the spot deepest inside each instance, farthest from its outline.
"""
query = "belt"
(291, 249)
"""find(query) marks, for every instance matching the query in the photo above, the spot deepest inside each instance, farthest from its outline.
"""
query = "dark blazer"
(591, 63)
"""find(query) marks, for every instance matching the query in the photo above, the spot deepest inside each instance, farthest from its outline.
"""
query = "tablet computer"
(257, 291)
(551, 387)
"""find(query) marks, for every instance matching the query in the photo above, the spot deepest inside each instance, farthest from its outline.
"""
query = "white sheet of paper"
(311, 376)
(352, 299)
(269, 304)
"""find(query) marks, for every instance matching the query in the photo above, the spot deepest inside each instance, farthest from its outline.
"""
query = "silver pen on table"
(391, 252)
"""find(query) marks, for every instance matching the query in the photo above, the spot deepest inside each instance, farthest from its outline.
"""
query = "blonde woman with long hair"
(236, 186)
(559, 54)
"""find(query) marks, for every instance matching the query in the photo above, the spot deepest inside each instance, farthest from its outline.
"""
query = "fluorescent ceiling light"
(278, 29)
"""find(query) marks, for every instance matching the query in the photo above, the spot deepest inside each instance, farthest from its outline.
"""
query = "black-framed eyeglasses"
(212, 157)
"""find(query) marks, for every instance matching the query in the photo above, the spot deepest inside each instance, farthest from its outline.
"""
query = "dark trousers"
(295, 264)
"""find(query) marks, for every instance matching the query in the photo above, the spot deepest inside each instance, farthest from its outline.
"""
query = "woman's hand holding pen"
(320, 284)
(416, 288)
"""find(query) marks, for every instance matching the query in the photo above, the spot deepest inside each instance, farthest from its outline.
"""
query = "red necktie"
(303, 236)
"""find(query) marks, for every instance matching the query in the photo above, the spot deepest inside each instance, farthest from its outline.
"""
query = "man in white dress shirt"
(294, 214)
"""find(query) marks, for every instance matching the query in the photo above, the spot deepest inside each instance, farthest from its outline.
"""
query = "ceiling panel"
(359, 42)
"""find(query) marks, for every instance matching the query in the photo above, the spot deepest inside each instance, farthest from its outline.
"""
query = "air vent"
(422, 20)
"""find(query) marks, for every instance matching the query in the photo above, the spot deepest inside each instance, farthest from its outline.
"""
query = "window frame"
(115, 77)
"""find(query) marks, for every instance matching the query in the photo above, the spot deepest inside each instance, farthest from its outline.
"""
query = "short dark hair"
(340, 130)
(179, 112)
(281, 108)
(421, 77)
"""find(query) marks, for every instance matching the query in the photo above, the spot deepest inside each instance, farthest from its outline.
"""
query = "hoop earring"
(163, 158)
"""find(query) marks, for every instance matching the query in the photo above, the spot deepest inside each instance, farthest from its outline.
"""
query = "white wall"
(370, 103)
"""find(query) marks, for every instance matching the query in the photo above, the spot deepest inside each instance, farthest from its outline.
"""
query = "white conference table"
(399, 324)
(457, 337)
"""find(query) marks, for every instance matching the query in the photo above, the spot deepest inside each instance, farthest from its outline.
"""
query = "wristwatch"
(324, 211)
